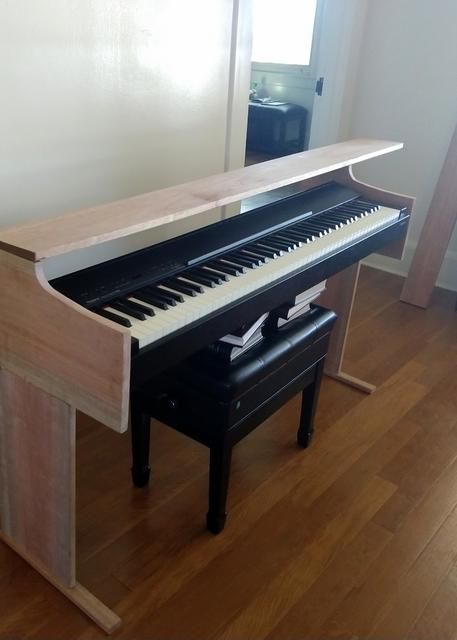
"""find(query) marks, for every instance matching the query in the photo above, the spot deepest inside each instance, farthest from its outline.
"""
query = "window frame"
(301, 70)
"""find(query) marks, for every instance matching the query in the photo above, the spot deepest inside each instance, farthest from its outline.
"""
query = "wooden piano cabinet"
(50, 365)
(56, 357)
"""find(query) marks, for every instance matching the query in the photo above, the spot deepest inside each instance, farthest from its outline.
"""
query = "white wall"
(102, 100)
(406, 90)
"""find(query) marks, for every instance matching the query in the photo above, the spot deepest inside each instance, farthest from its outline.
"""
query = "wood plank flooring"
(354, 538)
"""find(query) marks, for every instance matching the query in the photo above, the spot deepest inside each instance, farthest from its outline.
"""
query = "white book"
(282, 321)
(242, 335)
(311, 293)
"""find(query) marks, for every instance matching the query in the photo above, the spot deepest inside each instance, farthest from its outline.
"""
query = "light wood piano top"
(48, 237)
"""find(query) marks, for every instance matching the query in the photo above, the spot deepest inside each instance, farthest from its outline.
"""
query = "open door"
(337, 54)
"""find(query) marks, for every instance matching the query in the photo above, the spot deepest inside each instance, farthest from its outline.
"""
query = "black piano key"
(293, 233)
(160, 294)
(349, 208)
(241, 261)
(264, 244)
(114, 317)
(151, 299)
(280, 244)
(171, 294)
(306, 228)
(197, 278)
(252, 254)
(196, 287)
(262, 251)
(141, 307)
(366, 204)
(317, 229)
(216, 278)
(256, 261)
(128, 309)
(331, 222)
(304, 237)
(289, 237)
(349, 216)
(338, 215)
(224, 267)
(213, 270)
(180, 285)
(223, 259)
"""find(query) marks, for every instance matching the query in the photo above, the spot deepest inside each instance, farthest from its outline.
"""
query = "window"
(283, 31)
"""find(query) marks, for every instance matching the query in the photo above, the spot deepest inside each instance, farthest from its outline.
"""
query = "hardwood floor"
(353, 538)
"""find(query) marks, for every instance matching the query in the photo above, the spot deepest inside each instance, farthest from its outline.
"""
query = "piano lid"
(41, 239)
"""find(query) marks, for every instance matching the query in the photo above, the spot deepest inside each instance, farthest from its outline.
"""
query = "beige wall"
(406, 90)
(106, 99)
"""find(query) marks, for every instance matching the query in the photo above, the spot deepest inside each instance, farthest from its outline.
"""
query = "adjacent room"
(228, 328)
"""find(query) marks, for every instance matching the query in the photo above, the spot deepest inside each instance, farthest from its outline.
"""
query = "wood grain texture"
(62, 348)
(76, 593)
(37, 464)
(56, 236)
(349, 539)
(435, 235)
(339, 296)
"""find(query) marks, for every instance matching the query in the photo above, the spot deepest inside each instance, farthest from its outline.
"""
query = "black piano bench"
(219, 405)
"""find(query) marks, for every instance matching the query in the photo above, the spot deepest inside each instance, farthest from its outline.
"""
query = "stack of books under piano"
(233, 345)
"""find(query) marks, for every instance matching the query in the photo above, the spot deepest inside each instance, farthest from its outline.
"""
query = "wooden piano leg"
(339, 296)
(37, 491)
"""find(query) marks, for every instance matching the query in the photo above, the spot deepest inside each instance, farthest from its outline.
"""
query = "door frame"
(339, 48)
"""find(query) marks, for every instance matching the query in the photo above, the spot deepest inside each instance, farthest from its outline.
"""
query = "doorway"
(331, 44)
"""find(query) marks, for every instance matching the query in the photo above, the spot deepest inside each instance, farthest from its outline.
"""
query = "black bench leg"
(219, 473)
(140, 424)
(310, 396)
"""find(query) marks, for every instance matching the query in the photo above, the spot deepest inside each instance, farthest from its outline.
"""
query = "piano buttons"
(109, 315)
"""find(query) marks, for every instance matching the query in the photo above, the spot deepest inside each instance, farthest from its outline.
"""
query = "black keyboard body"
(113, 280)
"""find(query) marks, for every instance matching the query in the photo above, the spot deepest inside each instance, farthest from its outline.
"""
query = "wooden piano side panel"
(389, 198)
(60, 347)
(341, 287)
(37, 470)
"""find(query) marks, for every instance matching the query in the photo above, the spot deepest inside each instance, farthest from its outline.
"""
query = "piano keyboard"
(153, 312)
